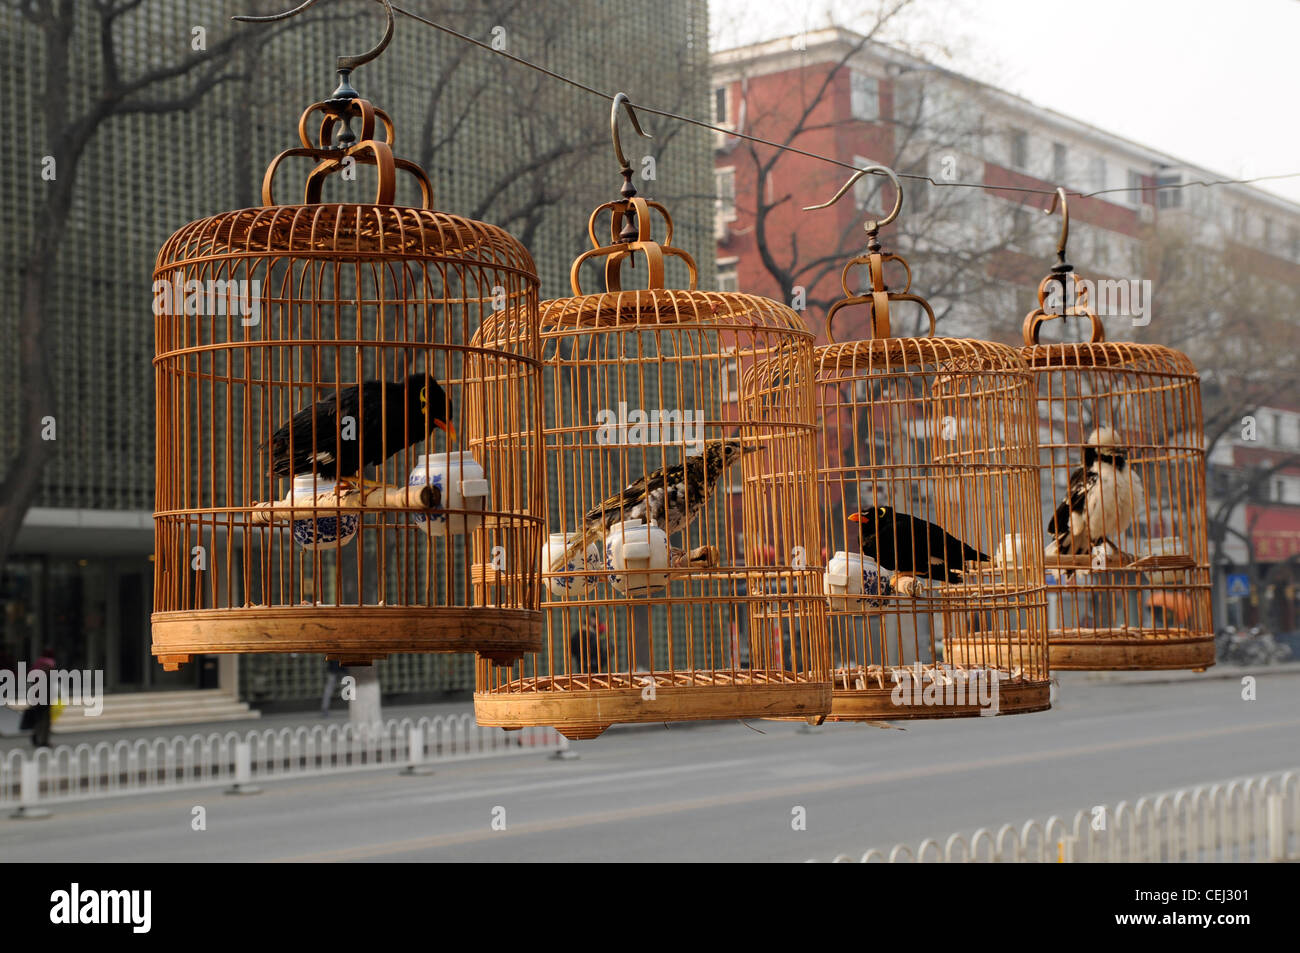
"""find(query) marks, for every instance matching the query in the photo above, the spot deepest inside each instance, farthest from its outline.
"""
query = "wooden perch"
(909, 585)
(703, 557)
(376, 496)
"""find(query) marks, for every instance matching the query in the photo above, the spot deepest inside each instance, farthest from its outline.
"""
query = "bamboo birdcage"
(1139, 598)
(938, 429)
(730, 622)
(350, 562)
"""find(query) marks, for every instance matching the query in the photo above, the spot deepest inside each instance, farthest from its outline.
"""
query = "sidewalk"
(278, 721)
(1233, 672)
(273, 722)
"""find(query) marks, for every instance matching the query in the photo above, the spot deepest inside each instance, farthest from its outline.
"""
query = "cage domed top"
(314, 367)
(1123, 468)
(678, 441)
(928, 486)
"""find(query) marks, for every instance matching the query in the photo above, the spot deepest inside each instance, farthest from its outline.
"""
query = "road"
(720, 791)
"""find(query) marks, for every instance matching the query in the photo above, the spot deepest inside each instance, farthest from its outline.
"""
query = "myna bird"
(385, 419)
(906, 544)
(1101, 500)
(669, 498)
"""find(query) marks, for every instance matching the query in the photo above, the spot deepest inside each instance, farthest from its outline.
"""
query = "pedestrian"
(587, 648)
(333, 670)
(39, 716)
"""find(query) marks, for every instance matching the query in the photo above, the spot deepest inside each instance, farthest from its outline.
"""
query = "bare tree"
(925, 128)
(69, 122)
(83, 42)
(1238, 328)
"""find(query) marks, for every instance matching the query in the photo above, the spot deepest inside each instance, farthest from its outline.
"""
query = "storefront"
(81, 583)
(1270, 596)
(93, 612)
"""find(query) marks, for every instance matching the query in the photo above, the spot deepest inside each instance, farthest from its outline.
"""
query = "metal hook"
(345, 64)
(871, 226)
(622, 100)
(1065, 222)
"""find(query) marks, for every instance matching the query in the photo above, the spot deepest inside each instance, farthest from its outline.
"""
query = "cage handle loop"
(334, 158)
(877, 300)
(1035, 320)
(636, 211)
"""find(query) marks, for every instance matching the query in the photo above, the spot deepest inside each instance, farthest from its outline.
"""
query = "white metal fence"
(1251, 819)
(144, 765)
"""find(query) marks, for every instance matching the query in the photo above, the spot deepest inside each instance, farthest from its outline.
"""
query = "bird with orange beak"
(360, 426)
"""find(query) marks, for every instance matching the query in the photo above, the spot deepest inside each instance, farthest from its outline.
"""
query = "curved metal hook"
(344, 62)
(1065, 221)
(622, 100)
(870, 226)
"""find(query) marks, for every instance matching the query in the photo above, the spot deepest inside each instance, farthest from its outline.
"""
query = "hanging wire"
(641, 107)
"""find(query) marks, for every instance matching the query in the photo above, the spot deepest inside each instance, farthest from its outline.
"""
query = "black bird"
(385, 419)
(1101, 500)
(906, 544)
(669, 498)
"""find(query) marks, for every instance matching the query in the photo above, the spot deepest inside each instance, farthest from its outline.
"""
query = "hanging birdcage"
(305, 354)
(678, 448)
(1123, 465)
(928, 480)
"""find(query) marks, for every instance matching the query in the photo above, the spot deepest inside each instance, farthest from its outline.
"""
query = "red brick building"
(977, 254)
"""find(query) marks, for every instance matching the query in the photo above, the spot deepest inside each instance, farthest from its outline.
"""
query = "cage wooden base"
(1015, 697)
(353, 635)
(869, 697)
(583, 706)
(1118, 650)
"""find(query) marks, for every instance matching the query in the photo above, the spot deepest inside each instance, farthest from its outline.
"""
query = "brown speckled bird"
(669, 498)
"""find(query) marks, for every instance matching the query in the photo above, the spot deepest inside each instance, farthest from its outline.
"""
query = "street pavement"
(719, 791)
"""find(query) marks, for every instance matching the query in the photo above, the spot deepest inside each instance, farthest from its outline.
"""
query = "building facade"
(1189, 267)
(500, 142)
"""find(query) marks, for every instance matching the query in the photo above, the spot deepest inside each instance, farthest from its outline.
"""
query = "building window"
(1293, 239)
(730, 377)
(1098, 173)
(724, 203)
(1269, 235)
(1101, 248)
(727, 280)
(1169, 197)
(721, 107)
(1019, 148)
(918, 196)
(865, 96)
(1019, 224)
(1279, 488)
(1136, 193)
(1277, 429)
(1058, 163)
(1239, 222)
(863, 188)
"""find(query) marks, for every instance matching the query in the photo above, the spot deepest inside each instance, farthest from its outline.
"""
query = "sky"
(1214, 84)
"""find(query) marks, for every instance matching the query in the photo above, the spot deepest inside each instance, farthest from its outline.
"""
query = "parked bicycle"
(1246, 647)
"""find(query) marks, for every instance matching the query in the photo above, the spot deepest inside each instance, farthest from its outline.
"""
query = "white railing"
(1251, 819)
(117, 768)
